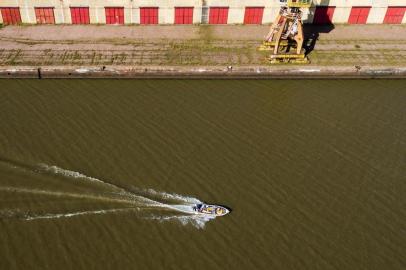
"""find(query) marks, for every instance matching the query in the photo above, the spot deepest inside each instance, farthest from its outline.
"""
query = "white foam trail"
(73, 174)
(197, 221)
(173, 196)
(187, 209)
(68, 215)
(140, 199)
(117, 190)
(104, 197)
(122, 191)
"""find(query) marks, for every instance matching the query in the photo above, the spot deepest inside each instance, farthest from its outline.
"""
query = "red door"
(114, 15)
(218, 15)
(359, 15)
(253, 15)
(11, 15)
(324, 15)
(149, 15)
(45, 15)
(394, 15)
(80, 15)
(183, 15)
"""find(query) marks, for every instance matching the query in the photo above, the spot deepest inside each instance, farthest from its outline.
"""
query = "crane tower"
(285, 38)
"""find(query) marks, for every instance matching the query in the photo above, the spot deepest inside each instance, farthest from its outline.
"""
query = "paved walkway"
(228, 32)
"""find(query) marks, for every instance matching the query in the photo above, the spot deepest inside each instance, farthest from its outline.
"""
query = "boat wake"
(147, 203)
(196, 220)
(33, 216)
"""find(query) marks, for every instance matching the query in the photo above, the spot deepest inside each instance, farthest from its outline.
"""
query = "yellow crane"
(285, 38)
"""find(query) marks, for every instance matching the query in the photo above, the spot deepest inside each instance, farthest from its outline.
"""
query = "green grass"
(203, 51)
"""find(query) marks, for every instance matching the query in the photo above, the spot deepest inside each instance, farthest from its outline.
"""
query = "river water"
(99, 174)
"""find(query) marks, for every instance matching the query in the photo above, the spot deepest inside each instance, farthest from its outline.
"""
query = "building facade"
(194, 11)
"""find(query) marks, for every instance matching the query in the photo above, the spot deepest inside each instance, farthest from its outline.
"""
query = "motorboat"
(211, 210)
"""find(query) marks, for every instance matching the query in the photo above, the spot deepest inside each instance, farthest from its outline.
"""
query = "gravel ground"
(347, 45)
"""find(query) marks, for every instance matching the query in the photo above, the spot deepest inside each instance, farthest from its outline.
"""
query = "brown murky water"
(100, 174)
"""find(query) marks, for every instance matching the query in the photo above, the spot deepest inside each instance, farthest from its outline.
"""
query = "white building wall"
(270, 14)
(341, 14)
(376, 15)
(197, 14)
(98, 13)
(128, 16)
(167, 11)
(235, 15)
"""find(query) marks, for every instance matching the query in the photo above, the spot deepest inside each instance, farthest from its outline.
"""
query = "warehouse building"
(194, 11)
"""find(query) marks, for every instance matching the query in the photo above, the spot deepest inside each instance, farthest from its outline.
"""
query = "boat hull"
(210, 210)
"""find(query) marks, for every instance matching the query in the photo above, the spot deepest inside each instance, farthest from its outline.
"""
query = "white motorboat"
(211, 210)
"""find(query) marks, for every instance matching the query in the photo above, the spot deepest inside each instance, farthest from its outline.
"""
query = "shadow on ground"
(312, 33)
(321, 24)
